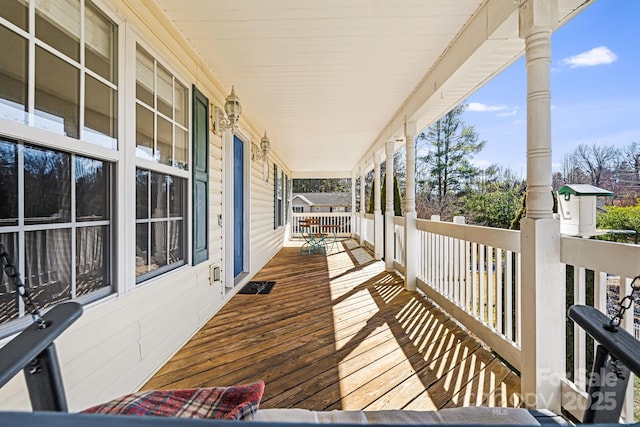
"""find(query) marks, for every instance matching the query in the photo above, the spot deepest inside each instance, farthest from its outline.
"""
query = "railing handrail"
(369, 216)
(496, 237)
(599, 255)
(398, 220)
(321, 214)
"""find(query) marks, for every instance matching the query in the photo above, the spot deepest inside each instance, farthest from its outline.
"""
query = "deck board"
(338, 332)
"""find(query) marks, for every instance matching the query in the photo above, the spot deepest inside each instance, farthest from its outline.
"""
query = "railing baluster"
(442, 265)
(600, 291)
(499, 290)
(451, 275)
(579, 335)
(455, 282)
(467, 273)
(509, 312)
(483, 282)
(490, 291)
(474, 277)
(517, 290)
(433, 247)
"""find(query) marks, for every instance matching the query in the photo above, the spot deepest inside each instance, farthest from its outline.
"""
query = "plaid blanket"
(229, 403)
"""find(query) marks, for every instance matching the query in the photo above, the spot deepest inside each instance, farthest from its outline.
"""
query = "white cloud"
(507, 113)
(476, 106)
(597, 56)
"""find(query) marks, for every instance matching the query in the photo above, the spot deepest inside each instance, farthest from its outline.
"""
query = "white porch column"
(410, 232)
(543, 285)
(353, 205)
(377, 211)
(389, 212)
(363, 208)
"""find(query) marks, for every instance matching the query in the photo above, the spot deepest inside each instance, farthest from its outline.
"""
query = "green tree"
(451, 145)
(494, 201)
(620, 218)
(522, 210)
(492, 209)
(397, 198)
(330, 185)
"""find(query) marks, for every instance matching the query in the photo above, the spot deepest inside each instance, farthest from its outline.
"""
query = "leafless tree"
(597, 161)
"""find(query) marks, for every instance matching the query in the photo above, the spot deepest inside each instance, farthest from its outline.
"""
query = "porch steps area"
(338, 332)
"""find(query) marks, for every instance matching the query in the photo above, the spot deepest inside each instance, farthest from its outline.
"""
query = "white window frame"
(27, 134)
(33, 42)
(133, 162)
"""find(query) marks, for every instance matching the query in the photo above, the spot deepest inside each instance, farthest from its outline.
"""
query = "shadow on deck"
(338, 332)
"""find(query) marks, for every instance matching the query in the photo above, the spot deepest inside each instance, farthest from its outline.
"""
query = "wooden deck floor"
(338, 332)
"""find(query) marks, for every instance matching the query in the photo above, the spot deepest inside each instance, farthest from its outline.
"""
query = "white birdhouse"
(577, 209)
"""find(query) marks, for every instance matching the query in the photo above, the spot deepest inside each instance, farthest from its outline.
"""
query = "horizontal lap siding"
(152, 324)
(265, 241)
(215, 201)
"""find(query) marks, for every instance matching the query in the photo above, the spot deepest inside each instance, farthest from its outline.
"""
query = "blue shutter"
(200, 136)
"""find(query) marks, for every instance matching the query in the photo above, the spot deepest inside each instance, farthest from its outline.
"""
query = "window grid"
(168, 220)
(33, 42)
(155, 110)
(22, 229)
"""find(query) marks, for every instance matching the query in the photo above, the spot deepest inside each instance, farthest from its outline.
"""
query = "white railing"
(357, 225)
(474, 274)
(368, 233)
(341, 221)
(604, 268)
(398, 245)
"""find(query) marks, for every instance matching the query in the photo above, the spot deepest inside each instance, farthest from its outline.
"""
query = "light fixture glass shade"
(265, 144)
(232, 107)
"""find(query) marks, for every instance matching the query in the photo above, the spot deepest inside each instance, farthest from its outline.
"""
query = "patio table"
(314, 239)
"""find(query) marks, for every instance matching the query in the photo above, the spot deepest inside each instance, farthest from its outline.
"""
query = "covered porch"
(339, 88)
(339, 332)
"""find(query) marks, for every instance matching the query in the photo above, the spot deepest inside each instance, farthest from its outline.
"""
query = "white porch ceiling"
(332, 80)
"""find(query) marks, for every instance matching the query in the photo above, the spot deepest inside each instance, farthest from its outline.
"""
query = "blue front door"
(238, 206)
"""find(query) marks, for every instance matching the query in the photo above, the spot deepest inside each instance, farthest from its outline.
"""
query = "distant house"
(321, 202)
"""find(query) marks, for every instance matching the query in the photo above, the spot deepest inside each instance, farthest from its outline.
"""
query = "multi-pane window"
(56, 221)
(161, 113)
(162, 135)
(278, 193)
(160, 223)
(70, 86)
(58, 72)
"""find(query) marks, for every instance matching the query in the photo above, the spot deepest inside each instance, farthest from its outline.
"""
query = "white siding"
(297, 203)
(265, 240)
(121, 341)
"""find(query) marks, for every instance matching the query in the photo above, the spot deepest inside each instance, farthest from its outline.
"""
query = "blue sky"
(595, 89)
